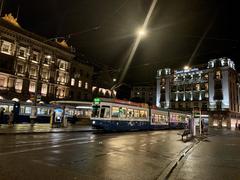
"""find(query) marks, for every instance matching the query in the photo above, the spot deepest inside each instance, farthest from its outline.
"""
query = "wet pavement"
(216, 157)
(41, 128)
(133, 155)
(87, 155)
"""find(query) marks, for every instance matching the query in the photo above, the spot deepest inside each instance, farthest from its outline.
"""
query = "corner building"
(213, 87)
(33, 67)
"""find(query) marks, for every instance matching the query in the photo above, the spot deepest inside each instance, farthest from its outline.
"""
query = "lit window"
(218, 75)
(62, 78)
(72, 82)
(86, 85)
(44, 89)
(2, 81)
(45, 74)
(35, 56)
(47, 59)
(6, 47)
(22, 52)
(79, 83)
(197, 87)
(60, 93)
(32, 87)
(206, 86)
(206, 95)
(33, 71)
(18, 85)
(20, 68)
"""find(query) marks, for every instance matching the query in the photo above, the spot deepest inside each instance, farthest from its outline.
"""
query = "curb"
(172, 165)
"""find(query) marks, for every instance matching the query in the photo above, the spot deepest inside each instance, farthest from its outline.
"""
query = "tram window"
(88, 113)
(105, 112)
(28, 110)
(95, 111)
(5, 107)
(69, 112)
(136, 113)
(130, 113)
(115, 111)
(154, 118)
(10, 109)
(143, 114)
(122, 112)
(42, 111)
(22, 109)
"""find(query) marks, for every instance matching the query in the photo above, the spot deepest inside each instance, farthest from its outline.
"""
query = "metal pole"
(193, 123)
(200, 121)
(1, 8)
(18, 11)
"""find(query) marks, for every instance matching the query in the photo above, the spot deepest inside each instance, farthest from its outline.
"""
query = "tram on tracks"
(118, 115)
(43, 111)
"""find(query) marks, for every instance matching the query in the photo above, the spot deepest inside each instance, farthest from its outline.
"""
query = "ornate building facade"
(81, 81)
(33, 67)
(213, 88)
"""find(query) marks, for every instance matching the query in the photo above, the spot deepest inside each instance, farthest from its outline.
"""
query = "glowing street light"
(141, 32)
(48, 56)
(186, 67)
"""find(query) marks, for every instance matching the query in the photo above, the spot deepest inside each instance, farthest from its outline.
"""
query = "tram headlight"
(93, 122)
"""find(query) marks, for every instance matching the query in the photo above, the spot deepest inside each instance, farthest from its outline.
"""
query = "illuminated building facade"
(213, 88)
(80, 81)
(33, 67)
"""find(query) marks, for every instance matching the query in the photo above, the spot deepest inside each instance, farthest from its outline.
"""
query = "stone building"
(212, 87)
(35, 68)
(81, 81)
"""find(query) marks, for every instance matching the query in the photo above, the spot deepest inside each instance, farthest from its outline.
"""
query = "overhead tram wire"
(95, 28)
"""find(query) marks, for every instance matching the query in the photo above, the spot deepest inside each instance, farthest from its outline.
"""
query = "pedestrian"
(74, 119)
(10, 119)
(202, 126)
(238, 126)
(1, 115)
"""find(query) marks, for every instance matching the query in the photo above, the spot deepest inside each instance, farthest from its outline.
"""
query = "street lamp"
(186, 67)
(141, 32)
(48, 56)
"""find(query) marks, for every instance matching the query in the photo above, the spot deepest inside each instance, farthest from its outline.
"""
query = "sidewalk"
(42, 128)
(215, 157)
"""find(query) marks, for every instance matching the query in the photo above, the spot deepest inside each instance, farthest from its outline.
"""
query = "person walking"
(202, 126)
(10, 119)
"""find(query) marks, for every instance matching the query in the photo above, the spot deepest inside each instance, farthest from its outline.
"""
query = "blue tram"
(119, 115)
(43, 113)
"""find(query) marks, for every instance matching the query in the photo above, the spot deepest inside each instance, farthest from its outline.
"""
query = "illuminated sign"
(186, 71)
(97, 100)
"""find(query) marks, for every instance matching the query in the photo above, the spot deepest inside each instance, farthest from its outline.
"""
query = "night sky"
(104, 30)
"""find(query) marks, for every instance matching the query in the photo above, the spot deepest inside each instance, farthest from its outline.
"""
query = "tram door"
(57, 116)
(16, 110)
